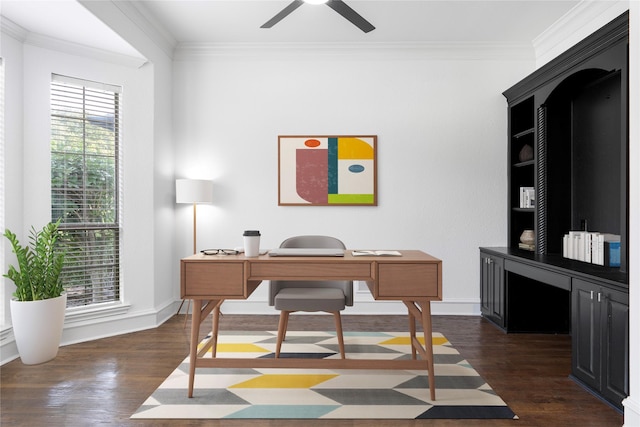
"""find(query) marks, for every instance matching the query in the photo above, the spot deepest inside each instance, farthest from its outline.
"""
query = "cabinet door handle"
(591, 295)
(599, 296)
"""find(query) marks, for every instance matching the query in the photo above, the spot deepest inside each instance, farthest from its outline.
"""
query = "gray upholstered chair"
(328, 296)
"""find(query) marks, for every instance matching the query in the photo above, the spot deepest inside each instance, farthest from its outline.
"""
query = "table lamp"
(194, 191)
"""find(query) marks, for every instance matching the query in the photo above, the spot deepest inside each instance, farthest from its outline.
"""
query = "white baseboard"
(97, 327)
(631, 411)
(8, 350)
(82, 326)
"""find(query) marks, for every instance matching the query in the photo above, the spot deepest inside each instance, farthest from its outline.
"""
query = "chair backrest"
(312, 241)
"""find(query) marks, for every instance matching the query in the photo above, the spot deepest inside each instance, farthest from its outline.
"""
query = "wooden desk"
(415, 278)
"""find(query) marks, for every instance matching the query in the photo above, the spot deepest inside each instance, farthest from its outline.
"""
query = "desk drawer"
(407, 281)
(310, 271)
(212, 279)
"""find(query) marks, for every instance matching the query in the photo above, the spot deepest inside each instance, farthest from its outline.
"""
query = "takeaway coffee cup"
(251, 243)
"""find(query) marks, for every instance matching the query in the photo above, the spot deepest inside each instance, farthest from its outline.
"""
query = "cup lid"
(251, 233)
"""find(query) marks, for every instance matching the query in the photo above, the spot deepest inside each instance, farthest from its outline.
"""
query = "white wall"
(11, 52)
(441, 126)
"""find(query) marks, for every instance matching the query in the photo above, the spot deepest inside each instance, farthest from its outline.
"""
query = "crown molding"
(46, 42)
(12, 29)
(574, 26)
(415, 51)
(141, 17)
(19, 33)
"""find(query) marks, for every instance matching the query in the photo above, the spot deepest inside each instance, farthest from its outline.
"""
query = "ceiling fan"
(338, 5)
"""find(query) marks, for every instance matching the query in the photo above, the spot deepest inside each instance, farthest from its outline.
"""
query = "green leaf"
(39, 264)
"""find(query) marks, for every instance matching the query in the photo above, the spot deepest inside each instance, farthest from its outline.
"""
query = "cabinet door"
(498, 298)
(585, 331)
(615, 346)
(492, 288)
(485, 285)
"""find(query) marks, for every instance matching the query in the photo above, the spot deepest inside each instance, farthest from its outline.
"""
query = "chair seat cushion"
(310, 299)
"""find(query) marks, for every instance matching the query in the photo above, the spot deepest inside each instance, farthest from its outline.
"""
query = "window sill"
(83, 314)
(5, 333)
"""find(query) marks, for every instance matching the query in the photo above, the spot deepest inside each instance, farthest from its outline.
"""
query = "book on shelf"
(612, 250)
(592, 247)
(527, 197)
(376, 253)
(597, 249)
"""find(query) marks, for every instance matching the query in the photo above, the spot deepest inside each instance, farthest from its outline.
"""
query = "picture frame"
(327, 170)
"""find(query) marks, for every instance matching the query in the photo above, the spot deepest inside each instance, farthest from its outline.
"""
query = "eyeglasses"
(219, 252)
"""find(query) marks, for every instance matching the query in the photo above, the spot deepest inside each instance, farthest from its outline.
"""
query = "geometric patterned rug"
(228, 393)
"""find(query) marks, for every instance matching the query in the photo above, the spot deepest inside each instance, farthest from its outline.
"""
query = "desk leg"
(215, 327)
(193, 347)
(412, 334)
(428, 344)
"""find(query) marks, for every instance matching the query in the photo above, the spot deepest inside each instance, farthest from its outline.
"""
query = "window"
(85, 187)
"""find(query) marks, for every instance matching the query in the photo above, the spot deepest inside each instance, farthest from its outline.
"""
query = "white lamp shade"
(194, 191)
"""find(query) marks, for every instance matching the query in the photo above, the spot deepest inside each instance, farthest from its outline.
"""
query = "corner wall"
(11, 52)
(632, 403)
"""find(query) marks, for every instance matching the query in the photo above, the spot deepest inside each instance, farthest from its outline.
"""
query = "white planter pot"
(37, 327)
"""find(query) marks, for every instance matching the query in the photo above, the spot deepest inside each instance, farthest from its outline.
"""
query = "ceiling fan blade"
(351, 15)
(282, 14)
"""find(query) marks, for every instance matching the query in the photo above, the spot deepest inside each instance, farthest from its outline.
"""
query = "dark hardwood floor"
(104, 381)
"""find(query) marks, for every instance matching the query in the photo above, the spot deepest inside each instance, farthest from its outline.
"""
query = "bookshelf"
(571, 115)
(522, 167)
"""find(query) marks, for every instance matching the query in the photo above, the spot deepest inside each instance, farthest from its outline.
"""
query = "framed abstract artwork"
(327, 170)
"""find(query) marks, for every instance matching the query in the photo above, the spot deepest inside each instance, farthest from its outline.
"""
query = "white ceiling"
(64, 20)
(221, 21)
(186, 22)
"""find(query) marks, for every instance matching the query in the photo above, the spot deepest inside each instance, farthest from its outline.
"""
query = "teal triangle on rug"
(270, 393)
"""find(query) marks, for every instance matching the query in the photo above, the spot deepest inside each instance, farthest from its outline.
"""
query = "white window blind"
(85, 186)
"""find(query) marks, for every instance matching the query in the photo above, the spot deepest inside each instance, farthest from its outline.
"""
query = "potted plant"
(39, 301)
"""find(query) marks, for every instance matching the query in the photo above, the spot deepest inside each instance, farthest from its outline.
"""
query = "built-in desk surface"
(569, 267)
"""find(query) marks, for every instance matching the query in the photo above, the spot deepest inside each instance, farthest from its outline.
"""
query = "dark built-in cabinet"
(492, 287)
(600, 337)
(568, 144)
